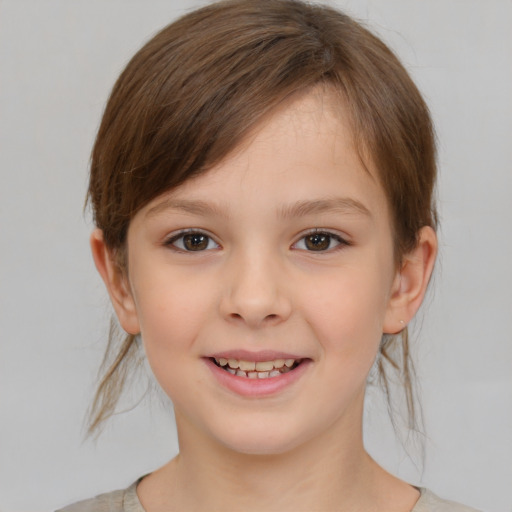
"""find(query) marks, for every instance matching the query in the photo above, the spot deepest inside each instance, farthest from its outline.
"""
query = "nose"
(255, 291)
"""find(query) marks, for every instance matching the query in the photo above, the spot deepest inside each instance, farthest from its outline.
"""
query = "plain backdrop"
(58, 61)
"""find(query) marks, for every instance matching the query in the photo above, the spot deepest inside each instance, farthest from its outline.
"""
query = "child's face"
(251, 280)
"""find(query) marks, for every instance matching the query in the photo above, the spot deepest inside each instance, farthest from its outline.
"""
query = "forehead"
(303, 151)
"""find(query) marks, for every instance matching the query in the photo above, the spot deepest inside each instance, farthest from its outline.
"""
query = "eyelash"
(171, 242)
(341, 242)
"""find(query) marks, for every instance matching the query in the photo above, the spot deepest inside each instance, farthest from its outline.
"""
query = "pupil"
(318, 242)
(195, 242)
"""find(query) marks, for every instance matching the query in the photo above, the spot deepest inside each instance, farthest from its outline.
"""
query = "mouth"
(256, 370)
(265, 373)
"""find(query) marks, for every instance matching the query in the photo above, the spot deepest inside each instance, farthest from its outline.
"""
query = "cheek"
(347, 311)
(170, 301)
(171, 313)
(346, 316)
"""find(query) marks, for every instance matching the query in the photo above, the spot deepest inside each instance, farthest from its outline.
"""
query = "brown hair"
(192, 93)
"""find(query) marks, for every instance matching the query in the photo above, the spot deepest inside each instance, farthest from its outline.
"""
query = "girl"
(262, 186)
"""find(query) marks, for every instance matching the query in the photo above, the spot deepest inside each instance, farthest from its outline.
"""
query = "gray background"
(58, 60)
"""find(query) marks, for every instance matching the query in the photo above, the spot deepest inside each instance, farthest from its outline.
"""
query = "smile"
(256, 370)
(256, 375)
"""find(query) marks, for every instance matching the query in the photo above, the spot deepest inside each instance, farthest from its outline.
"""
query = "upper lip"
(259, 356)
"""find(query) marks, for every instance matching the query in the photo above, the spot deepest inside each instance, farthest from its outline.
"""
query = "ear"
(411, 282)
(116, 282)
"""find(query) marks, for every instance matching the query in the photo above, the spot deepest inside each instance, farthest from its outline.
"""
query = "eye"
(192, 241)
(319, 241)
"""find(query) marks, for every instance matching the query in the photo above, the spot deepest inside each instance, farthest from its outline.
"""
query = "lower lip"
(257, 387)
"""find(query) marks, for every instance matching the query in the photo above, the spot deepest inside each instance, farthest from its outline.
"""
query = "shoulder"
(429, 502)
(123, 500)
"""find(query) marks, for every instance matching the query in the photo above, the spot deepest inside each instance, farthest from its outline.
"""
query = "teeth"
(265, 366)
(247, 366)
(253, 370)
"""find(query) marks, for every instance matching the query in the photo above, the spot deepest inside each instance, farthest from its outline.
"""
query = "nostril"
(268, 319)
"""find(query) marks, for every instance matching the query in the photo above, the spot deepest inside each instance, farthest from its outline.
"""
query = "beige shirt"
(126, 500)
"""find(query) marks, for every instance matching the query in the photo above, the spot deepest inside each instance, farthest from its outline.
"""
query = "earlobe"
(116, 282)
(411, 282)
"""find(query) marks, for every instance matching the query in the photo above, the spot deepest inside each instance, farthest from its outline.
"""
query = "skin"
(258, 286)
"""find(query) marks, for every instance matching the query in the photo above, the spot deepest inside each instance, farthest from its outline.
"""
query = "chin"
(265, 441)
(263, 448)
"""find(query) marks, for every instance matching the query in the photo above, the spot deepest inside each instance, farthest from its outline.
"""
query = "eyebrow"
(193, 207)
(334, 204)
(344, 205)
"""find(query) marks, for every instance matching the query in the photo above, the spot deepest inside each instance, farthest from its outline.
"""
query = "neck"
(300, 479)
(331, 473)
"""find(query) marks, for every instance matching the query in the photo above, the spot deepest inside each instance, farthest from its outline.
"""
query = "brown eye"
(317, 241)
(320, 241)
(192, 242)
(195, 242)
